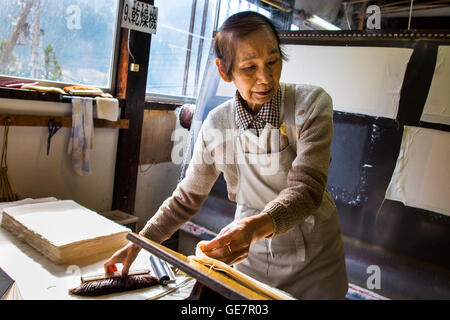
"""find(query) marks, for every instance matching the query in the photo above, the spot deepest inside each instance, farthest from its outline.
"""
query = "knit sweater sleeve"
(307, 177)
(187, 198)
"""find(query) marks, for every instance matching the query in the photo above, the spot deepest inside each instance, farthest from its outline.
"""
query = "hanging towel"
(106, 108)
(81, 138)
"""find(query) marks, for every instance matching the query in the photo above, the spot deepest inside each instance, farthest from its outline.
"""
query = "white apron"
(307, 261)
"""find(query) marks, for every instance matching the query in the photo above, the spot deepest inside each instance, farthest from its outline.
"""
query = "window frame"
(114, 66)
(169, 99)
(180, 99)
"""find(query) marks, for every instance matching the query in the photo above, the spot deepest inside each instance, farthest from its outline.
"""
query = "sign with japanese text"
(139, 16)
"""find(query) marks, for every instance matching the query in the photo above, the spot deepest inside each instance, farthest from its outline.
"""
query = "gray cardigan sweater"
(306, 179)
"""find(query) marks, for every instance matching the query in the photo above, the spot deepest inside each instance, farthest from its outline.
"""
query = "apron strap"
(291, 131)
(289, 115)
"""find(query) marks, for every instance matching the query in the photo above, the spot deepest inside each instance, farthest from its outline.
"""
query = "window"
(180, 47)
(64, 41)
(230, 7)
(183, 39)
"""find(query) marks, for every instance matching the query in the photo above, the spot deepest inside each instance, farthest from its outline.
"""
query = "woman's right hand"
(125, 256)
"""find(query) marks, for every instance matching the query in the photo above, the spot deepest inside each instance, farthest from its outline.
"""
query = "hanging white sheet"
(421, 177)
(364, 80)
(437, 106)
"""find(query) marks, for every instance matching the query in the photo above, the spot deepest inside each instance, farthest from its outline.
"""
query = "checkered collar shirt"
(269, 113)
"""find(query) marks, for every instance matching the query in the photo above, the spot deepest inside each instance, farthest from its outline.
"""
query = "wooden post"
(362, 16)
(131, 86)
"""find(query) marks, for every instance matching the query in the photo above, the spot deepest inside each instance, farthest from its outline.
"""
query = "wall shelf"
(24, 94)
(42, 121)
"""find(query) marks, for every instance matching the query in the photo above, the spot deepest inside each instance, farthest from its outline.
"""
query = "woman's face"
(257, 67)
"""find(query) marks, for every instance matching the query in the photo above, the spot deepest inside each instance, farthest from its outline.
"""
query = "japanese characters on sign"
(139, 16)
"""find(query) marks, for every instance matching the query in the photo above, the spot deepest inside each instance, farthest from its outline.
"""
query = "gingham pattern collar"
(269, 113)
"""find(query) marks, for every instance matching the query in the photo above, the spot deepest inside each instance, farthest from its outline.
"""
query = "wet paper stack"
(64, 231)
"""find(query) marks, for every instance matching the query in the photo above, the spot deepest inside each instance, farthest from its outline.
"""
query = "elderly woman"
(286, 231)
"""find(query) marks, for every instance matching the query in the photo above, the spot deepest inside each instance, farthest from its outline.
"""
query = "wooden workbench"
(38, 278)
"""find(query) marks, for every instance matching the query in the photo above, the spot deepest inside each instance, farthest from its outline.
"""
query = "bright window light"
(320, 23)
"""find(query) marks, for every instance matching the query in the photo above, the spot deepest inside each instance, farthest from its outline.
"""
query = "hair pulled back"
(236, 27)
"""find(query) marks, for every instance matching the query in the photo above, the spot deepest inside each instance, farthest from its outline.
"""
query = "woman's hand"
(233, 242)
(126, 256)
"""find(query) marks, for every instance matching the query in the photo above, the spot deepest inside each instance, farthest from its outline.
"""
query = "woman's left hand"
(233, 242)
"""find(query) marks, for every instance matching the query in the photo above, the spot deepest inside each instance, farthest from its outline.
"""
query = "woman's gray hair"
(237, 27)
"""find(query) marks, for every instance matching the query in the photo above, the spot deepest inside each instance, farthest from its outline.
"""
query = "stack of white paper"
(64, 231)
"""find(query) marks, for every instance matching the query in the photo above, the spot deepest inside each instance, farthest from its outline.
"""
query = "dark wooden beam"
(362, 16)
(131, 86)
(25, 94)
(42, 121)
(10, 93)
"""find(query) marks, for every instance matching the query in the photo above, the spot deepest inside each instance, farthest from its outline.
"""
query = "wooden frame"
(113, 63)
(219, 283)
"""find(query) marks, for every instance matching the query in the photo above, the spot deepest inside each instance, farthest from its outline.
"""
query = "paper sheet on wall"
(421, 177)
(437, 106)
(364, 80)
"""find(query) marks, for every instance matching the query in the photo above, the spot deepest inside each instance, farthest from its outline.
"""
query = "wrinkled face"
(257, 67)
